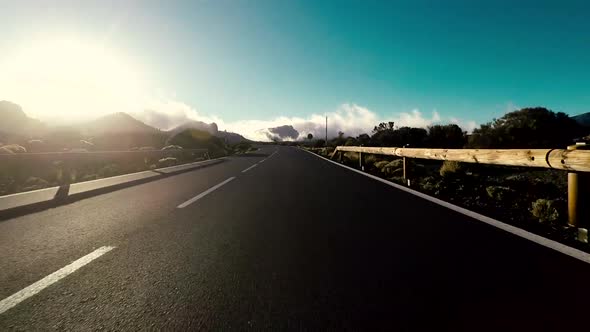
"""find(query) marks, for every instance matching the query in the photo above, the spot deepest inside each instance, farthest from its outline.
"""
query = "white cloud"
(415, 119)
(66, 81)
(166, 113)
(351, 119)
(467, 126)
(511, 107)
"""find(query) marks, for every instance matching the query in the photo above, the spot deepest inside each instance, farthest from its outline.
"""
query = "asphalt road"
(294, 243)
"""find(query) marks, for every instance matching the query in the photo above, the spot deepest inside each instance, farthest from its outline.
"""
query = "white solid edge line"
(204, 193)
(249, 168)
(548, 243)
(38, 286)
(154, 172)
(196, 163)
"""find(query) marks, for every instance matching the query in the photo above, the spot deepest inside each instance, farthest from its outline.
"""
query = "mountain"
(282, 133)
(228, 137)
(231, 138)
(583, 119)
(117, 131)
(199, 125)
(198, 139)
(14, 121)
(116, 123)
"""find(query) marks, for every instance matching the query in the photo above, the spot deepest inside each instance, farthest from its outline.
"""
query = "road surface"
(293, 243)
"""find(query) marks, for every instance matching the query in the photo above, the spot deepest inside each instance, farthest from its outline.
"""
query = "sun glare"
(70, 80)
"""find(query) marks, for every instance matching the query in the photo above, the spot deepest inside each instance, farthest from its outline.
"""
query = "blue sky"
(239, 61)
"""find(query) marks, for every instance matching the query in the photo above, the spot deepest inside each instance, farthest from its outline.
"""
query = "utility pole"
(326, 133)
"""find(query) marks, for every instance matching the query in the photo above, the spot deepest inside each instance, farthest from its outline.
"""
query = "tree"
(319, 143)
(243, 147)
(448, 136)
(198, 139)
(384, 135)
(351, 141)
(384, 126)
(364, 139)
(415, 137)
(309, 136)
(337, 141)
(535, 127)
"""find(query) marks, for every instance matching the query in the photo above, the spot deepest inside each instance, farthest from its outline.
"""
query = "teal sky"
(244, 60)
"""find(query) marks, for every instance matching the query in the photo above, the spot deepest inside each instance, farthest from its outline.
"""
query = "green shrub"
(34, 183)
(352, 156)
(394, 168)
(450, 168)
(326, 152)
(90, 177)
(398, 179)
(370, 159)
(351, 141)
(168, 161)
(545, 210)
(429, 184)
(12, 148)
(171, 147)
(242, 147)
(380, 164)
(109, 170)
(499, 193)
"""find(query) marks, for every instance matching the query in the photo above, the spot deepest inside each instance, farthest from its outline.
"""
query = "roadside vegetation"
(534, 199)
(153, 150)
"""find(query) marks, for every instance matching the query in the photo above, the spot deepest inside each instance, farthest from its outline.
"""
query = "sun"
(68, 80)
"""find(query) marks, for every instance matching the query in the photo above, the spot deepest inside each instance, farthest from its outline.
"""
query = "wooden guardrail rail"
(575, 159)
(98, 155)
(68, 164)
(568, 160)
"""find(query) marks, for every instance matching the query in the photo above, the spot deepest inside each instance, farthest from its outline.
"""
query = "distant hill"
(117, 131)
(583, 119)
(199, 125)
(14, 121)
(231, 138)
(116, 123)
(198, 139)
(226, 136)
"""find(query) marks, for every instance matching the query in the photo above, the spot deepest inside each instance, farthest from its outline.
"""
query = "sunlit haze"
(250, 67)
(69, 80)
(294, 165)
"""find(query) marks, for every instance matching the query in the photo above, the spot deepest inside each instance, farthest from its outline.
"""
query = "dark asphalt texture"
(296, 243)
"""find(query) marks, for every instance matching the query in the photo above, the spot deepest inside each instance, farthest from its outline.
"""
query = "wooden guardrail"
(568, 160)
(575, 159)
(67, 166)
(90, 155)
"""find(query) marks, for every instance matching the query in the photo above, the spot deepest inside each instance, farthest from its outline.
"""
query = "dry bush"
(450, 168)
(545, 210)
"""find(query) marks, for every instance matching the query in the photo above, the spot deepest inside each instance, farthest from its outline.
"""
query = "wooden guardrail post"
(361, 161)
(578, 194)
(405, 169)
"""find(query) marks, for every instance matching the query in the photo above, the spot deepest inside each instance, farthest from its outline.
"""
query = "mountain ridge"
(583, 119)
(16, 126)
